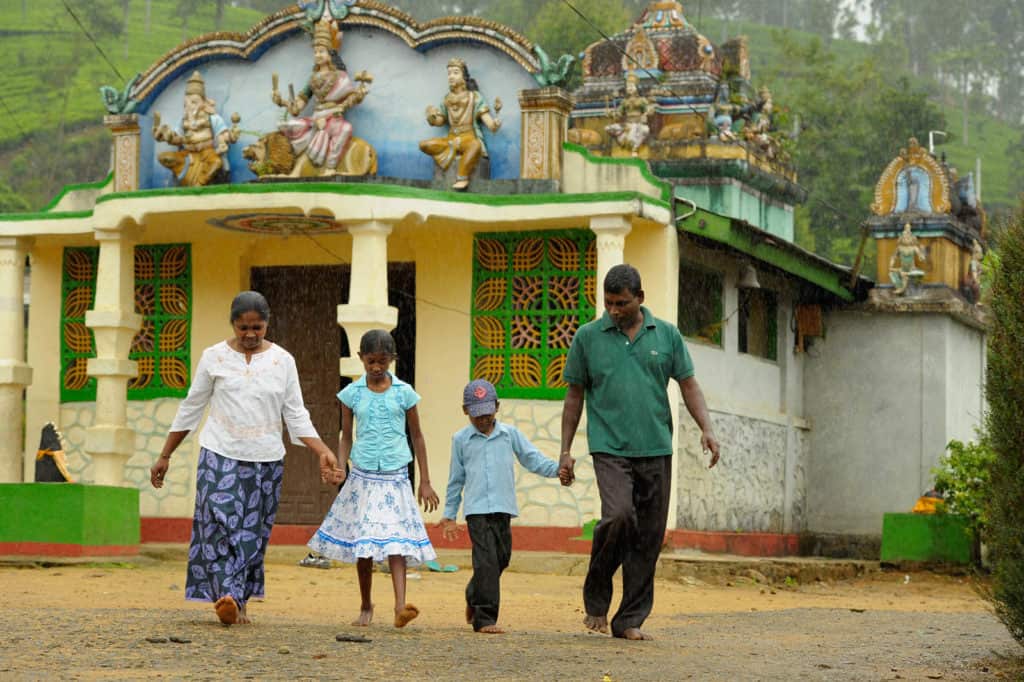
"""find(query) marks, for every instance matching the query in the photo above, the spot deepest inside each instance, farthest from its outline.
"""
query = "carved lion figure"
(272, 155)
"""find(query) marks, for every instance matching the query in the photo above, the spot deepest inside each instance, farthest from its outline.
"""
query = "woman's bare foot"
(596, 623)
(469, 614)
(365, 617)
(405, 615)
(491, 630)
(634, 634)
(227, 610)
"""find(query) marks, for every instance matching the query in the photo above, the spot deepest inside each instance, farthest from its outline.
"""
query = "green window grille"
(531, 292)
(161, 347)
(700, 303)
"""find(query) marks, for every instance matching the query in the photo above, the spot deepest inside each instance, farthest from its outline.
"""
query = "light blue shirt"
(380, 442)
(484, 467)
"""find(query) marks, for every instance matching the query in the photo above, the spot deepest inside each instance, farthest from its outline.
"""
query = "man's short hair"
(623, 278)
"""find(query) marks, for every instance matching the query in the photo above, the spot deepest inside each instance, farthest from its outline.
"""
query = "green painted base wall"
(730, 200)
(926, 538)
(69, 513)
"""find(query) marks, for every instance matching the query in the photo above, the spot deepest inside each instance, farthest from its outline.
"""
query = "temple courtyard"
(129, 621)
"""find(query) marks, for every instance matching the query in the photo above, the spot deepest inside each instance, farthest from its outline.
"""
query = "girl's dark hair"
(250, 302)
(377, 341)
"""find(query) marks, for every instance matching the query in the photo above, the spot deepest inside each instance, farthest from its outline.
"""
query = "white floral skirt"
(374, 516)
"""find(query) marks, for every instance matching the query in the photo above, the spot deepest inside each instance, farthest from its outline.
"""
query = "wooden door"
(303, 319)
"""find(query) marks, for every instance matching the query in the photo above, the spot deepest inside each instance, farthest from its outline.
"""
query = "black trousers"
(634, 510)
(491, 535)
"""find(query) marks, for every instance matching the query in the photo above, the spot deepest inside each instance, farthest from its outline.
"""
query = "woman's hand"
(427, 497)
(158, 471)
(330, 472)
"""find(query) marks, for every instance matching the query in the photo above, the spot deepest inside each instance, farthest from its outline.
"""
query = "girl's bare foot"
(634, 634)
(405, 615)
(469, 614)
(491, 630)
(596, 623)
(227, 610)
(365, 617)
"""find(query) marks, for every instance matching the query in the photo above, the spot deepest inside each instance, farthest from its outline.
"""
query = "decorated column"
(611, 234)
(367, 306)
(110, 442)
(545, 113)
(125, 128)
(15, 375)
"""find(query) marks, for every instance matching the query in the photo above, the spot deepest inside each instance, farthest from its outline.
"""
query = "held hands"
(449, 529)
(566, 469)
(330, 472)
(709, 443)
(427, 497)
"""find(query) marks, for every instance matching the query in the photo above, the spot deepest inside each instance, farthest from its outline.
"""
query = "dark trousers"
(491, 535)
(634, 510)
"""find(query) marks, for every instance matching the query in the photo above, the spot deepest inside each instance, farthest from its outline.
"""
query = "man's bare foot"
(596, 623)
(405, 615)
(243, 618)
(469, 614)
(491, 630)
(634, 634)
(365, 617)
(227, 610)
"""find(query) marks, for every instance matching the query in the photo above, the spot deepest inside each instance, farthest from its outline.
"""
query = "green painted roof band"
(67, 189)
(725, 231)
(61, 215)
(639, 164)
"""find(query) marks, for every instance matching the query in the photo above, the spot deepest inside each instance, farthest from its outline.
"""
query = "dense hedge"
(1005, 393)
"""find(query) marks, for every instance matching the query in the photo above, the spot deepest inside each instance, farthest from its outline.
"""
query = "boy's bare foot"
(469, 614)
(634, 634)
(596, 623)
(405, 615)
(491, 630)
(365, 617)
(227, 610)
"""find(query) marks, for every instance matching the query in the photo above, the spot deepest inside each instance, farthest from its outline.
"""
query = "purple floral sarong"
(235, 506)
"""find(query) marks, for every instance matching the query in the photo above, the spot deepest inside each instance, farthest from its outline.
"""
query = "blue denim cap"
(479, 398)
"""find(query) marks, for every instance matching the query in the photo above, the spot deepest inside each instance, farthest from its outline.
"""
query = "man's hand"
(709, 443)
(566, 469)
(449, 529)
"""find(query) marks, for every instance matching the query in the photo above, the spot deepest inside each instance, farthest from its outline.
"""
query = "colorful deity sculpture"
(463, 109)
(202, 137)
(903, 270)
(632, 130)
(972, 280)
(322, 142)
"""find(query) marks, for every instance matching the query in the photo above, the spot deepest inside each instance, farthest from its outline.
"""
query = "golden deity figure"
(462, 110)
(322, 142)
(632, 130)
(903, 268)
(202, 136)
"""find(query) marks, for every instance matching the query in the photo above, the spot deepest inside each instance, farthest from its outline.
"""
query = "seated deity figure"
(463, 109)
(324, 138)
(632, 131)
(903, 264)
(722, 112)
(202, 136)
(758, 130)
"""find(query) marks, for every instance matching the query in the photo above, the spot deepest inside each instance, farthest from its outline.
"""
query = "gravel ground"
(96, 621)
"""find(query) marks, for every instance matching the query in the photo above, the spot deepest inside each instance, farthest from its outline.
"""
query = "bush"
(964, 479)
(1005, 393)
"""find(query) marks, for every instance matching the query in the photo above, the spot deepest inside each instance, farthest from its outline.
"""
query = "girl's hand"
(427, 497)
(330, 472)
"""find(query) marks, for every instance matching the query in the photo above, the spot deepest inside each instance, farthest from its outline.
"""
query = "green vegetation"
(964, 477)
(1004, 390)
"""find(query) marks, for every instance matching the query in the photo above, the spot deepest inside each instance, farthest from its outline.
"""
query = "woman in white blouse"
(250, 385)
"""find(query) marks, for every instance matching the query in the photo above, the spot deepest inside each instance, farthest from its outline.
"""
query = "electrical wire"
(93, 41)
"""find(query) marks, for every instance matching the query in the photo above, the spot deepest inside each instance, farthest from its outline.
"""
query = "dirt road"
(93, 621)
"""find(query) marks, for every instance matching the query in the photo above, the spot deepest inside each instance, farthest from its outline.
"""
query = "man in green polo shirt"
(620, 365)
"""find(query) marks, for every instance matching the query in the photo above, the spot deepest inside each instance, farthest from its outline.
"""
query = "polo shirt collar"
(395, 381)
(607, 324)
(498, 426)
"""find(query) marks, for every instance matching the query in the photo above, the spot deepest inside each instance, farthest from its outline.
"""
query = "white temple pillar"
(114, 322)
(611, 231)
(367, 306)
(15, 375)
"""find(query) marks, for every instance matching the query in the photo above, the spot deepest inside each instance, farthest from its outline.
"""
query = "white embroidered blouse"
(247, 403)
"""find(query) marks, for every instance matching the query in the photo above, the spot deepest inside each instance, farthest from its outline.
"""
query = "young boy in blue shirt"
(483, 467)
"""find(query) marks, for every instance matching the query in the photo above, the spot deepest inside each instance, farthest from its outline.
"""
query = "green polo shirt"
(625, 384)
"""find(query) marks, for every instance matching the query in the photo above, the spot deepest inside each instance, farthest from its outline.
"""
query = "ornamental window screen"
(531, 292)
(163, 296)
